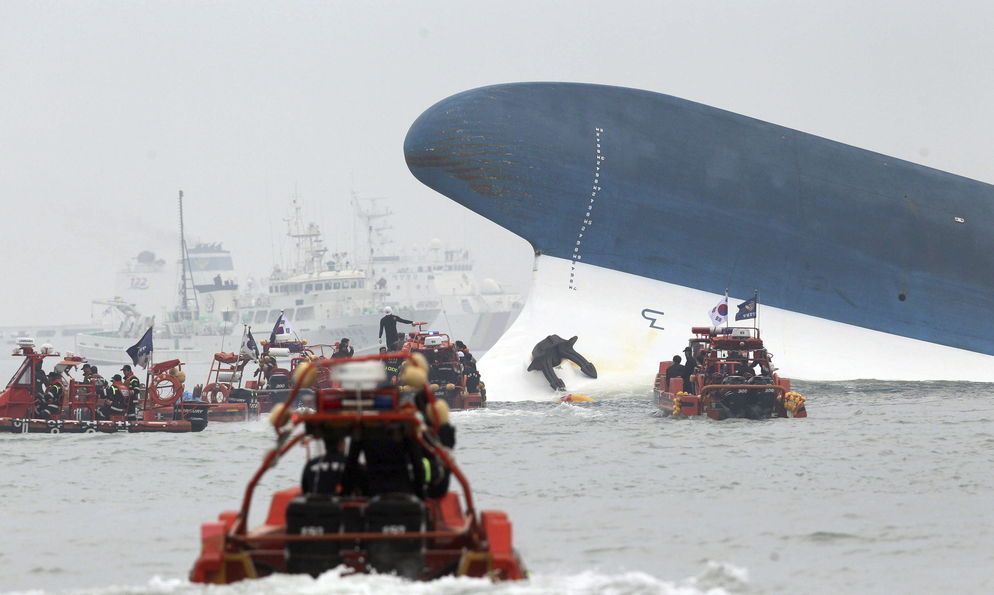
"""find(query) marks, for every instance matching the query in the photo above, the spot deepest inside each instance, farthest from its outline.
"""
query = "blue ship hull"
(680, 192)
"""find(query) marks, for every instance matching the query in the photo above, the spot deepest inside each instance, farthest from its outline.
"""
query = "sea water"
(887, 487)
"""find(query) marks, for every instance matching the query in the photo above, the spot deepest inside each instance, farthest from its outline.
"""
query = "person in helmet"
(49, 404)
(388, 324)
(469, 368)
(114, 404)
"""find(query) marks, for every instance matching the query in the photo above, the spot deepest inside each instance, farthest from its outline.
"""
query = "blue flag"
(747, 309)
(141, 352)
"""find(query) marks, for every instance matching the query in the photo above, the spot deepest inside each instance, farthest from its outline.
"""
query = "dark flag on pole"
(141, 352)
(747, 309)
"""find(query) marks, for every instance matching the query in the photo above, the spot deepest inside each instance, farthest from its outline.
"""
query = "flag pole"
(148, 368)
(755, 321)
(726, 307)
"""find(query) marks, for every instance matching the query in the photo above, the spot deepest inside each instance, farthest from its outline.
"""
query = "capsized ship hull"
(883, 253)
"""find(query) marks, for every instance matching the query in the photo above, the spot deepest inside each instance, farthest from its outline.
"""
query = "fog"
(108, 109)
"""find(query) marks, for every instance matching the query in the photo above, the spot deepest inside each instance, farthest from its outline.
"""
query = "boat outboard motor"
(240, 395)
(396, 513)
(313, 514)
(763, 399)
(278, 381)
(734, 399)
(194, 412)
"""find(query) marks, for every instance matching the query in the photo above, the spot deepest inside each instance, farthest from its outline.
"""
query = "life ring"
(158, 383)
(216, 392)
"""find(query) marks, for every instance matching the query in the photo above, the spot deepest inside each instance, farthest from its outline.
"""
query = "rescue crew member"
(676, 370)
(99, 383)
(49, 403)
(41, 377)
(267, 363)
(469, 367)
(415, 373)
(134, 385)
(388, 324)
(688, 368)
(114, 404)
(392, 367)
(344, 349)
(323, 474)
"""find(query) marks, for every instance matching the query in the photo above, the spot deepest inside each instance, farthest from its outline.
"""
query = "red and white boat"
(447, 374)
(725, 382)
(420, 538)
(159, 409)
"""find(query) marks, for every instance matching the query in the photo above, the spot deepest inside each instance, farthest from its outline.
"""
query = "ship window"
(362, 283)
(336, 285)
(288, 314)
(246, 317)
(308, 288)
(274, 315)
(306, 313)
(260, 316)
(228, 315)
(355, 284)
(23, 375)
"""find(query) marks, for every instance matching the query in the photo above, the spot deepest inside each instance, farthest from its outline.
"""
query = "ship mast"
(376, 237)
(310, 249)
(187, 291)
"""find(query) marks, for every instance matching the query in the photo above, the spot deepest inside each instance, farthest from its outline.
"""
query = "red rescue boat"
(24, 409)
(420, 539)
(733, 377)
(448, 374)
(226, 399)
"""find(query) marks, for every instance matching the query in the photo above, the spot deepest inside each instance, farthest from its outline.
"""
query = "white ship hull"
(605, 310)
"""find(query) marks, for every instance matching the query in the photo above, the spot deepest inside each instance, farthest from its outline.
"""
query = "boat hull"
(17, 425)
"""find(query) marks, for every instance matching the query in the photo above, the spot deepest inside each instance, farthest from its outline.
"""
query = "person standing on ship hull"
(389, 324)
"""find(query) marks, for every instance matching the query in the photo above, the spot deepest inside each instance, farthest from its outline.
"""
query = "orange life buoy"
(216, 392)
(160, 382)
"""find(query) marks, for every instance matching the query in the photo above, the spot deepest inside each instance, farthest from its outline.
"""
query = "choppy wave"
(717, 579)
(882, 484)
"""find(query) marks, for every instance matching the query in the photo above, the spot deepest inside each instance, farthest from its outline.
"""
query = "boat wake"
(717, 579)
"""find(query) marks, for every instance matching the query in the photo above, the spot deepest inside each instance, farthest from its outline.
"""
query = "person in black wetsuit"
(344, 349)
(388, 325)
(469, 368)
(688, 368)
(323, 474)
(676, 370)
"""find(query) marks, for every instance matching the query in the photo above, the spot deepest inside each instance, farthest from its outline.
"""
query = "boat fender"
(216, 393)
(677, 398)
(305, 374)
(161, 380)
(793, 402)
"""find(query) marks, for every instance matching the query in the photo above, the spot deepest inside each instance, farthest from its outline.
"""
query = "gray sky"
(107, 109)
